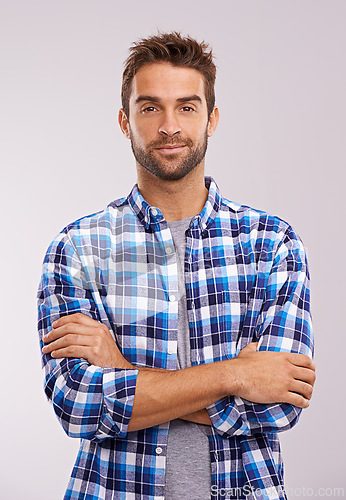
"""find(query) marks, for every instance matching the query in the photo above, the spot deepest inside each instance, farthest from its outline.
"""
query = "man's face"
(168, 122)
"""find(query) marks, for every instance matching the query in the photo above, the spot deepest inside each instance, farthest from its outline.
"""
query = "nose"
(169, 125)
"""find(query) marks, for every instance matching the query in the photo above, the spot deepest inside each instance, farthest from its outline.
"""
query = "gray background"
(280, 147)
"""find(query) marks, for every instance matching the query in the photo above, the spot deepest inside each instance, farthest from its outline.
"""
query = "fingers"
(79, 318)
(297, 400)
(68, 340)
(301, 360)
(305, 375)
(79, 336)
(77, 328)
(74, 351)
(301, 388)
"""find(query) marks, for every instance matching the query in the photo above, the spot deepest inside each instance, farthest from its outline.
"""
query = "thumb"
(252, 346)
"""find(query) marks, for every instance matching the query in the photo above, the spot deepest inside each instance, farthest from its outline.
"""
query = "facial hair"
(147, 159)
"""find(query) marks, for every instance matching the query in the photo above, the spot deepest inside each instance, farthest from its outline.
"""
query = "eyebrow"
(150, 98)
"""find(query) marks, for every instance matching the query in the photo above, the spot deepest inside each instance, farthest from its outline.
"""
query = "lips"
(170, 148)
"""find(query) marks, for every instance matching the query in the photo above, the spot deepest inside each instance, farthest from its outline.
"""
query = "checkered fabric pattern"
(246, 280)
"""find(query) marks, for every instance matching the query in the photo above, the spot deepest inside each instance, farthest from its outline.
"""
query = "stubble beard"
(170, 169)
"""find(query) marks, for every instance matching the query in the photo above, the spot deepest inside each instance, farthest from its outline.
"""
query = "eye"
(149, 109)
(187, 109)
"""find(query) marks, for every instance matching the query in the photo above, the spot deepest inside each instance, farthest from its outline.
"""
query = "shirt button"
(169, 250)
(192, 305)
(172, 298)
(154, 212)
(159, 450)
(170, 350)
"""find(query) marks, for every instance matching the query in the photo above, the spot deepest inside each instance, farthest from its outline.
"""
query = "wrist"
(123, 364)
(233, 381)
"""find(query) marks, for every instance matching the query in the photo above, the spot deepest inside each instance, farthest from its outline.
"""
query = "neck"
(176, 199)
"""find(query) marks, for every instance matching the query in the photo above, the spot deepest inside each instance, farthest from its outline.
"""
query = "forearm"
(198, 417)
(162, 396)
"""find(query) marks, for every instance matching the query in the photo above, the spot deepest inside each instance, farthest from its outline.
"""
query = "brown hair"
(175, 49)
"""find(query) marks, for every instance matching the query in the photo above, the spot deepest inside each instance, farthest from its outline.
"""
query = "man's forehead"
(165, 81)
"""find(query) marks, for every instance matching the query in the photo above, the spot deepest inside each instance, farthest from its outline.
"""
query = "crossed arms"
(97, 393)
(161, 395)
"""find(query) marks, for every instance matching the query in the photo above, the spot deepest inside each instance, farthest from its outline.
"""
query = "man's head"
(175, 49)
(168, 104)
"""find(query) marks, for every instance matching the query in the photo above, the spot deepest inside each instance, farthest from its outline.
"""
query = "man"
(175, 324)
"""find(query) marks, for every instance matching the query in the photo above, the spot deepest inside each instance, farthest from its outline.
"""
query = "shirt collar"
(149, 216)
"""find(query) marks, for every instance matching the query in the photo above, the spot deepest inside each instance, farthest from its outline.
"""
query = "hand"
(274, 377)
(79, 336)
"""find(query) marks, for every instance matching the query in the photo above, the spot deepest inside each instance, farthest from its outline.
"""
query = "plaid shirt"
(246, 280)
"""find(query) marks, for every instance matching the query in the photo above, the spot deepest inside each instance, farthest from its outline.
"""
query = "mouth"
(170, 149)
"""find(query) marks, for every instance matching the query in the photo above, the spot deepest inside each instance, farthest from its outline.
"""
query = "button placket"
(172, 347)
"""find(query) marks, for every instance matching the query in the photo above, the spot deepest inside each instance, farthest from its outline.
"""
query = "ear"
(124, 123)
(213, 121)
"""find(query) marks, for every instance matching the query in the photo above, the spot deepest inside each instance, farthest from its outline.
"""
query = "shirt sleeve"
(283, 324)
(90, 402)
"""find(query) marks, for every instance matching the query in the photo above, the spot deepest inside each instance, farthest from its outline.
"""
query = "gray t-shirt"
(188, 469)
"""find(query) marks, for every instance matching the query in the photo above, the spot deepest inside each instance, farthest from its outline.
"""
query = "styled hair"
(176, 50)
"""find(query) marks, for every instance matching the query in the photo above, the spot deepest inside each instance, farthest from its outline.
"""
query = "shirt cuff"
(226, 418)
(119, 386)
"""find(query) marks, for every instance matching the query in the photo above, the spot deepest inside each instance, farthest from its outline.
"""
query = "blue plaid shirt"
(246, 280)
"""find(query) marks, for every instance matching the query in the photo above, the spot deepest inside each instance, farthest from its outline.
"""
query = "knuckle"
(97, 342)
(69, 338)
(65, 320)
(308, 392)
(301, 401)
(79, 339)
(63, 329)
(73, 327)
(70, 350)
(307, 360)
(100, 330)
(95, 349)
(288, 370)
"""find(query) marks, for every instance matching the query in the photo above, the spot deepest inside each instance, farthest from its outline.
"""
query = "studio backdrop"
(279, 147)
